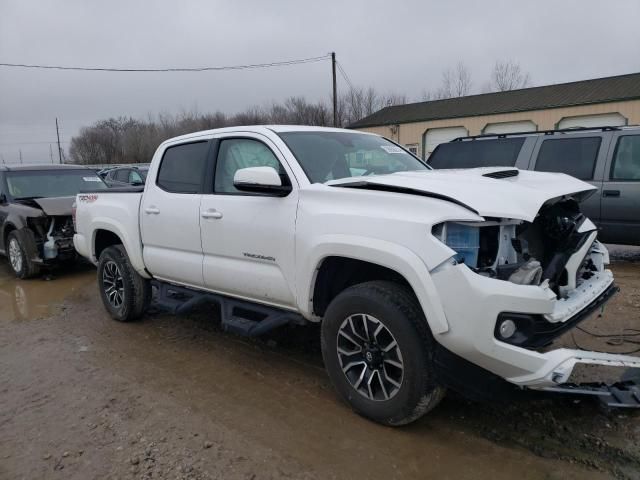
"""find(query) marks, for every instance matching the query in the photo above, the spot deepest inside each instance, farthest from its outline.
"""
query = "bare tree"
(426, 95)
(391, 99)
(508, 75)
(456, 82)
(126, 140)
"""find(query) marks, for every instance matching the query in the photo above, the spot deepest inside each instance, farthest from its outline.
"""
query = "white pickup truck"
(423, 280)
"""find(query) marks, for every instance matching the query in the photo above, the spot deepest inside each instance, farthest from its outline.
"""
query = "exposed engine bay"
(53, 237)
(559, 247)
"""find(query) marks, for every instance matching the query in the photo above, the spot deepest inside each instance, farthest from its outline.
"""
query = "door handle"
(152, 210)
(212, 214)
(611, 193)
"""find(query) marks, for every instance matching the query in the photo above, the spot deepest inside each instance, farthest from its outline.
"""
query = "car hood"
(490, 192)
(55, 206)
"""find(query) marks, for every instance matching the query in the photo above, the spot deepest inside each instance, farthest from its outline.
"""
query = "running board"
(619, 395)
(237, 316)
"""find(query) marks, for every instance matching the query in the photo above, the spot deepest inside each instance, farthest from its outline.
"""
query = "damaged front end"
(558, 256)
(53, 238)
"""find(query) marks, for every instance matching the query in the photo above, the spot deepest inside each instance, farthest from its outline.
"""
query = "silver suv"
(606, 157)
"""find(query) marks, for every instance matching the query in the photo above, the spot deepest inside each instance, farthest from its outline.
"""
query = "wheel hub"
(370, 357)
(373, 356)
(113, 284)
(15, 255)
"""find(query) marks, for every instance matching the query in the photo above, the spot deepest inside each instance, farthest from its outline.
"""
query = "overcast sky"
(394, 46)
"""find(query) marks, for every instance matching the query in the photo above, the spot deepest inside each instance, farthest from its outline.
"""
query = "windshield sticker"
(391, 149)
(91, 179)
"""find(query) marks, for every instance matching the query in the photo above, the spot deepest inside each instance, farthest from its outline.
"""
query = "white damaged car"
(423, 280)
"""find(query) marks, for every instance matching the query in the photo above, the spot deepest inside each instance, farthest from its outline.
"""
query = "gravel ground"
(83, 397)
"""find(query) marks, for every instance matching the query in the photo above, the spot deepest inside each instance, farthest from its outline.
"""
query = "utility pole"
(51, 153)
(20, 155)
(335, 90)
(58, 134)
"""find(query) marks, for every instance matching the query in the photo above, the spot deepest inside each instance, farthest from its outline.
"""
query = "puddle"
(39, 297)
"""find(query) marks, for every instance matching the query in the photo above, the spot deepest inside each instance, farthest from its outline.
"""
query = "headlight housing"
(462, 238)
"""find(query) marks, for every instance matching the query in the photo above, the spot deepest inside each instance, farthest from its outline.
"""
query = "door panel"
(170, 215)
(621, 192)
(170, 226)
(248, 240)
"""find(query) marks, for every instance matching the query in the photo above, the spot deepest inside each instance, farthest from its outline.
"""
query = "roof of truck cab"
(264, 129)
(40, 167)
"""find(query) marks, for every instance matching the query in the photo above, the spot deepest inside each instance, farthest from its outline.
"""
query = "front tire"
(377, 349)
(125, 294)
(20, 262)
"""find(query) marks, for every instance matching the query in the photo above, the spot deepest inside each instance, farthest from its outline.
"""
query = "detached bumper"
(625, 394)
(560, 364)
(473, 303)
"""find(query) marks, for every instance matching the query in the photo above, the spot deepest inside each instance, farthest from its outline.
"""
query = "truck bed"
(95, 214)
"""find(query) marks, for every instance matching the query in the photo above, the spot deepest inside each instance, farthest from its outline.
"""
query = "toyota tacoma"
(422, 280)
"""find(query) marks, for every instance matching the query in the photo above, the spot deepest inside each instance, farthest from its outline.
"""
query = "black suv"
(36, 228)
(606, 157)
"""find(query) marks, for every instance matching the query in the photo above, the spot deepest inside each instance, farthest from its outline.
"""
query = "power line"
(32, 143)
(344, 75)
(171, 69)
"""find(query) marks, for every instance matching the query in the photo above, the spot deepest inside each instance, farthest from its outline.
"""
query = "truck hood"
(489, 192)
(55, 206)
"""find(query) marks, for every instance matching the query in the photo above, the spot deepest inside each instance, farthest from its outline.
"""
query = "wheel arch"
(105, 232)
(378, 258)
(103, 239)
(7, 228)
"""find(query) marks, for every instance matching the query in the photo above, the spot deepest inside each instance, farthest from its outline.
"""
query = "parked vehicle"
(607, 157)
(36, 228)
(126, 175)
(423, 280)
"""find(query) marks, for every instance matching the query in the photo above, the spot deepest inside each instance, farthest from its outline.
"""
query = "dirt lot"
(83, 397)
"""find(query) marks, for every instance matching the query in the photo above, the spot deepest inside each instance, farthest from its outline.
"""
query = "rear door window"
(183, 168)
(499, 152)
(626, 160)
(573, 156)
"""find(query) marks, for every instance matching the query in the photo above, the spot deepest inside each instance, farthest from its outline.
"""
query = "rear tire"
(20, 262)
(125, 294)
(377, 349)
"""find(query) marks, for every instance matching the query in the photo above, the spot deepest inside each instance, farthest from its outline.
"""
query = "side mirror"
(260, 180)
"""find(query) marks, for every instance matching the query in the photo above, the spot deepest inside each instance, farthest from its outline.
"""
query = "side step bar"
(237, 316)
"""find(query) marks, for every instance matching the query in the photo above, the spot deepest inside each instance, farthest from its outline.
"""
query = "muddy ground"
(83, 397)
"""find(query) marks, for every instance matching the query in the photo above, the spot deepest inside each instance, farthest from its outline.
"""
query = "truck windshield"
(328, 156)
(51, 183)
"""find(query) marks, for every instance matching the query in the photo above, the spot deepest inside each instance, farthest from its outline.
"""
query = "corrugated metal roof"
(599, 90)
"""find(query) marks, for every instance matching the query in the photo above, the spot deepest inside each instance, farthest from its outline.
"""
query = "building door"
(591, 121)
(435, 136)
